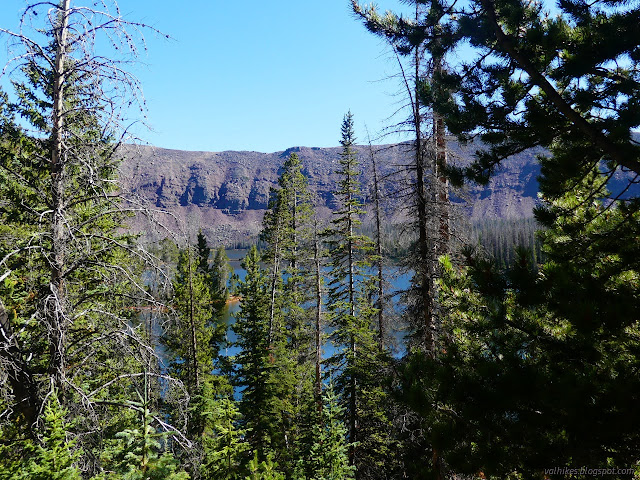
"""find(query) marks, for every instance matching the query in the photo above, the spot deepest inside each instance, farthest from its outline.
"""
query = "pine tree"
(265, 470)
(137, 453)
(424, 37)
(287, 235)
(75, 328)
(225, 448)
(204, 252)
(220, 272)
(192, 337)
(544, 357)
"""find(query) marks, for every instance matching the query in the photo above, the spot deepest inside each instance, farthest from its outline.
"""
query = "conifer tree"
(263, 367)
(264, 470)
(225, 448)
(543, 356)
(138, 454)
(329, 456)
(204, 252)
(76, 329)
(358, 361)
(56, 457)
(192, 337)
(287, 234)
(221, 273)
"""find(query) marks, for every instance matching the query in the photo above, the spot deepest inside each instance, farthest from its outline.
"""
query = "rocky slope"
(226, 193)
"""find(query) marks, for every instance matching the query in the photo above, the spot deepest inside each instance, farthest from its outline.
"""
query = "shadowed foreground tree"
(566, 82)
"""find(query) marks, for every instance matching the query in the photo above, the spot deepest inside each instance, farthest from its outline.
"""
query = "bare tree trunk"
(318, 332)
(56, 309)
(441, 243)
(275, 272)
(440, 169)
(381, 325)
(352, 313)
(425, 257)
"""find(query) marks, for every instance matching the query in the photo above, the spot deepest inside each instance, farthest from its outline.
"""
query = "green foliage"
(260, 368)
(533, 365)
(55, 458)
(220, 273)
(192, 335)
(225, 447)
(358, 361)
(287, 233)
(501, 238)
(329, 456)
(73, 275)
(265, 470)
(192, 338)
(545, 360)
(137, 455)
(166, 250)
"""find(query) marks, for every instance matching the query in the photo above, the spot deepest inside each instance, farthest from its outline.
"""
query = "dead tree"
(74, 328)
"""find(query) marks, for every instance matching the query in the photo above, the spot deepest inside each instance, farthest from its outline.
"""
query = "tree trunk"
(318, 332)
(425, 258)
(381, 325)
(275, 272)
(56, 308)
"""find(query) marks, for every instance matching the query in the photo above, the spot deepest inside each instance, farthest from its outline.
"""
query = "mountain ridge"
(226, 193)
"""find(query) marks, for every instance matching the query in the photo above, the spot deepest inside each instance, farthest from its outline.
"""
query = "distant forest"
(513, 353)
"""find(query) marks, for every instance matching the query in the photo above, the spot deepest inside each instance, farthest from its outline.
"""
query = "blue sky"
(256, 75)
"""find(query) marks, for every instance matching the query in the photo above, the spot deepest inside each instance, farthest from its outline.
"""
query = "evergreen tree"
(225, 449)
(329, 456)
(545, 359)
(287, 235)
(263, 368)
(221, 273)
(265, 470)
(190, 336)
(71, 277)
(358, 362)
(204, 252)
(56, 457)
(137, 454)
(192, 339)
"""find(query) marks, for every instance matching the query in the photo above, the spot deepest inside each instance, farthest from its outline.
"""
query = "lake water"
(398, 282)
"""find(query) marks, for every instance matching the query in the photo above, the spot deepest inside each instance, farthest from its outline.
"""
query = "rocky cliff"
(226, 193)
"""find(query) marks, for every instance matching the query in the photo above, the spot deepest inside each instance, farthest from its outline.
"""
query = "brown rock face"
(226, 193)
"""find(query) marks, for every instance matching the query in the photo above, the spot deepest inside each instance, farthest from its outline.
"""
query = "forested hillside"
(512, 353)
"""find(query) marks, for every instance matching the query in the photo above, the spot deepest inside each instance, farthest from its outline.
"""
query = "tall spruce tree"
(287, 235)
(358, 362)
(192, 337)
(329, 456)
(262, 367)
(56, 458)
(226, 448)
(423, 36)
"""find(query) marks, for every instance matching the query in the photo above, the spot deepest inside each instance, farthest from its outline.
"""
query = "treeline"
(500, 239)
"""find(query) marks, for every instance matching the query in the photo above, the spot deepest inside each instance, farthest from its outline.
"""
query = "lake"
(397, 280)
